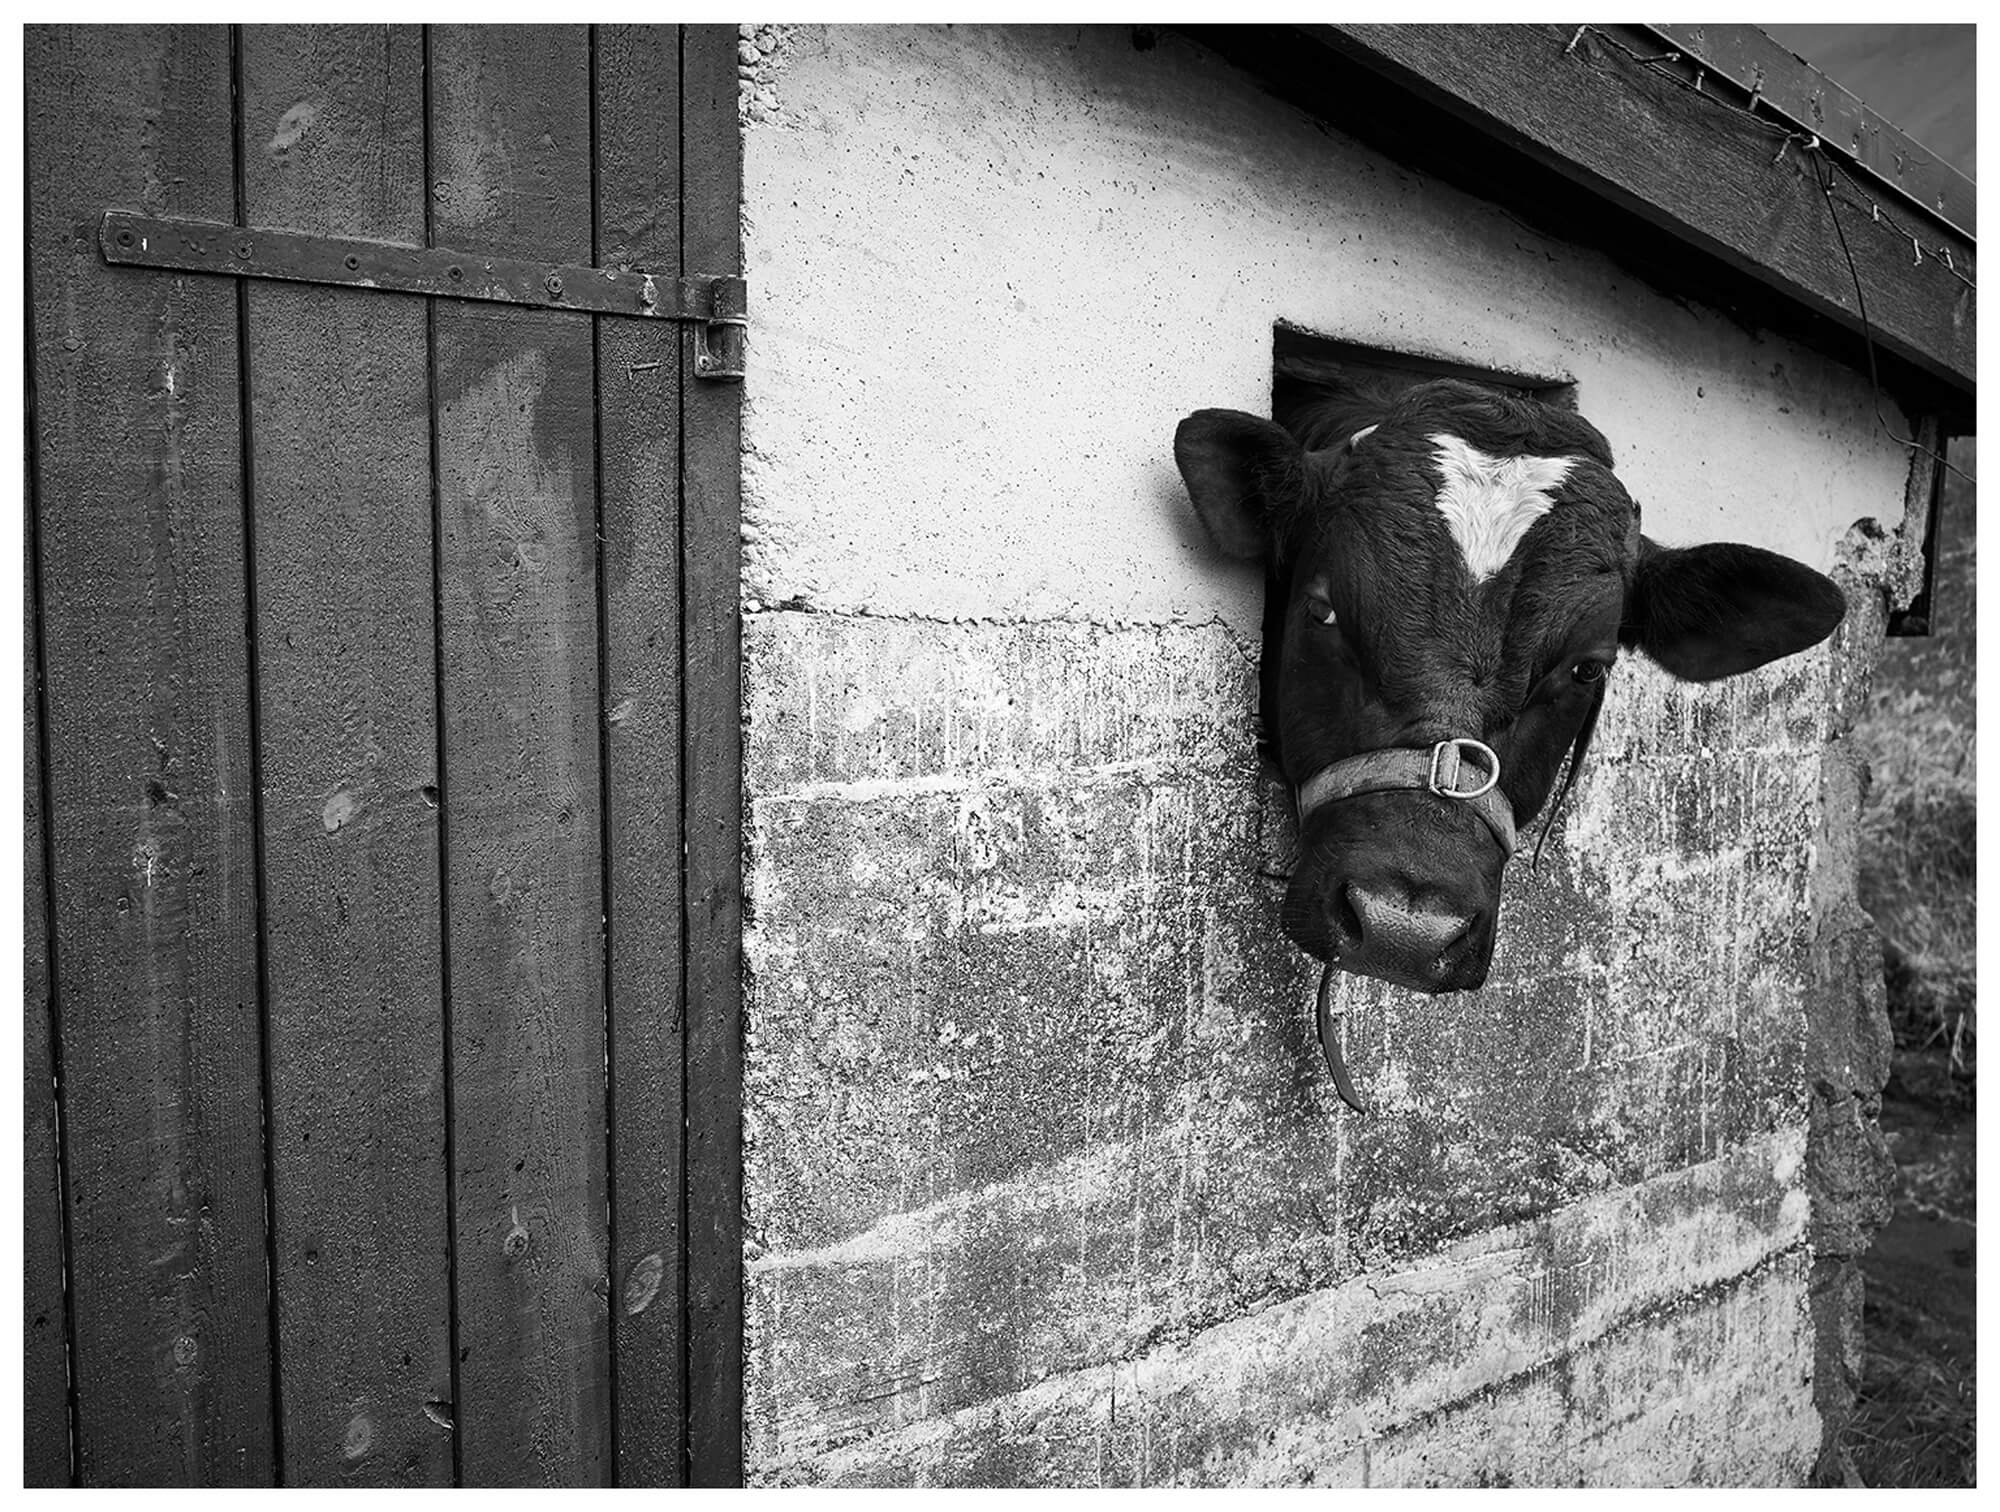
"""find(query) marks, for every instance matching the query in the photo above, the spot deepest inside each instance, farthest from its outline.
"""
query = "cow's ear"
(1240, 472)
(1704, 612)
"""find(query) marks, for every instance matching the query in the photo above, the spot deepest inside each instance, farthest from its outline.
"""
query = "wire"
(1867, 333)
(1660, 64)
(1940, 254)
(1812, 149)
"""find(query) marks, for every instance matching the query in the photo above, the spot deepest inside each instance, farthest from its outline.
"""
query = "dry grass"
(1915, 1409)
(1914, 1422)
(1918, 834)
(1920, 821)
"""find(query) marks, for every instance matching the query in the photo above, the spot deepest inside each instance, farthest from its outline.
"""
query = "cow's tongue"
(1329, 1041)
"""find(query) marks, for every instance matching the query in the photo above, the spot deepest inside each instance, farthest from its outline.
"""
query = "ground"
(1915, 1422)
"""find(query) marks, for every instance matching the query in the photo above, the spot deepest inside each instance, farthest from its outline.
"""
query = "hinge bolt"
(553, 284)
(244, 249)
(351, 261)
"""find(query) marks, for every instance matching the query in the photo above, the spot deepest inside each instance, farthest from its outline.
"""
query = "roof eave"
(1707, 193)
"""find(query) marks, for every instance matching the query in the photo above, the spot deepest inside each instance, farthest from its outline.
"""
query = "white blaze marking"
(1490, 502)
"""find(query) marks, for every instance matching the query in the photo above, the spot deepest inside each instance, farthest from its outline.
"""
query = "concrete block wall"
(1044, 1183)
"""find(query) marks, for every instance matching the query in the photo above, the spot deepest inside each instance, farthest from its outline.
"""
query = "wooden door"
(383, 766)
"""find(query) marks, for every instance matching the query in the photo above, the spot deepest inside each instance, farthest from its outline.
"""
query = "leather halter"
(1443, 770)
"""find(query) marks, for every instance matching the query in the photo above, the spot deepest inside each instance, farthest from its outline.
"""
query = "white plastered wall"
(994, 268)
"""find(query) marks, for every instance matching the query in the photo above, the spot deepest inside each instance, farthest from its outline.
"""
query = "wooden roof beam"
(1701, 167)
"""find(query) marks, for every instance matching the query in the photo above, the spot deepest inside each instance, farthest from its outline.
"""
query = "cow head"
(1451, 575)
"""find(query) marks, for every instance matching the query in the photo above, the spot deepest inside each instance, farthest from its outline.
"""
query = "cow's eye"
(1589, 670)
(1319, 604)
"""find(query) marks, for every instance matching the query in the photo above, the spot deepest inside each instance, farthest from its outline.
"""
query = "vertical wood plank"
(45, 1451)
(150, 777)
(518, 628)
(639, 386)
(332, 121)
(712, 762)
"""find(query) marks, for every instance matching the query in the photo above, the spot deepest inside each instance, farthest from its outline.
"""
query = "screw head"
(126, 238)
(553, 284)
(351, 261)
(455, 271)
(244, 249)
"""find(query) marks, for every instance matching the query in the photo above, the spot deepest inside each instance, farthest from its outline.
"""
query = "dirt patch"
(1914, 1422)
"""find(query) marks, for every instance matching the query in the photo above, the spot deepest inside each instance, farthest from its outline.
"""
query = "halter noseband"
(1442, 769)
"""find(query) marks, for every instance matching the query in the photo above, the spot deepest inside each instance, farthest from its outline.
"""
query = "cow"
(1451, 572)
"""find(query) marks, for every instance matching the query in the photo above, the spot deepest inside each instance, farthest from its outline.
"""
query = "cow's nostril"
(1346, 921)
(1402, 935)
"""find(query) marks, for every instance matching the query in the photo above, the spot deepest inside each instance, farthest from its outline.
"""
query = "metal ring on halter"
(1444, 786)
(1418, 769)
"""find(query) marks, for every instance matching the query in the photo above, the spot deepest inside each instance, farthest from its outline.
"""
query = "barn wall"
(1044, 1180)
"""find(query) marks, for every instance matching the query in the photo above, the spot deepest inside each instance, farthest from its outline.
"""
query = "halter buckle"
(1444, 782)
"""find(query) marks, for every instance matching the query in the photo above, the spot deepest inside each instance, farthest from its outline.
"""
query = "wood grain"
(518, 631)
(45, 1436)
(1685, 165)
(332, 123)
(712, 767)
(1753, 58)
(150, 774)
(639, 395)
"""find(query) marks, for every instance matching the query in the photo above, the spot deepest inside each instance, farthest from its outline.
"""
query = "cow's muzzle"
(1379, 929)
(1399, 873)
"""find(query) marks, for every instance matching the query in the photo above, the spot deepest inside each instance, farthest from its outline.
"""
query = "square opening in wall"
(1303, 365)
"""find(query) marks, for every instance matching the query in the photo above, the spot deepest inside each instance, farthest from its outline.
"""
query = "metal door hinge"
(715, 304)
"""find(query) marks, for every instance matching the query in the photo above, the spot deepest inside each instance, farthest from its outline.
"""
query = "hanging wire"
(1825, 168)
(1657, 64)
(1825, 182)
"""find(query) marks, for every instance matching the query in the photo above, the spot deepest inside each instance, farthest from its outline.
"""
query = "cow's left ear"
(1240, 471)
(1704, 612)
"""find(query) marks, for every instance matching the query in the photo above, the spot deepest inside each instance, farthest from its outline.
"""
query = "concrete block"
(871, 700)
(1307, 1390)
(1617, 1411)
(1031, 1093)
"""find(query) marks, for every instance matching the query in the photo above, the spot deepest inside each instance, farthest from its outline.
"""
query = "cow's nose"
(1381, 931)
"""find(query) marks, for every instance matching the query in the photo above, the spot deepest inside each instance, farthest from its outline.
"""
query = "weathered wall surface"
(1044, 1183)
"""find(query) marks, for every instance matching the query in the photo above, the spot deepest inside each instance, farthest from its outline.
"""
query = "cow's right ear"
(1240, 472)
(1717, 610)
